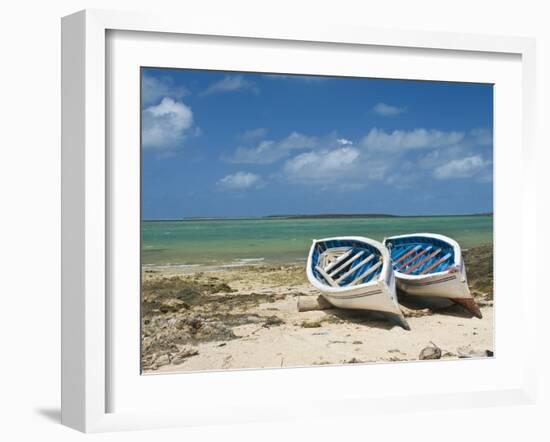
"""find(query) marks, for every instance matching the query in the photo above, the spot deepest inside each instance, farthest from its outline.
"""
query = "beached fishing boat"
(427, 264)
(354, 273)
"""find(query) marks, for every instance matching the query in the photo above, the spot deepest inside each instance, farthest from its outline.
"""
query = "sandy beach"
(247, 317)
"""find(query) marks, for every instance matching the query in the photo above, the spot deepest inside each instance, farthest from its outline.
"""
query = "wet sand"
(247, 317)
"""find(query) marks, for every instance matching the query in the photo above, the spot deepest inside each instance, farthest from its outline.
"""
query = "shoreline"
(246, 317)
(238, 263)
(190, 267)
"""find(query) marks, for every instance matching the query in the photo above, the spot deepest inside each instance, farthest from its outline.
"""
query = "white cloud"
(385, 110)
(461, 168)
(165, 126)
(321, 165)
(269, 151)
(399, 140)
(239, 181)
(231, 83)
(344, 142)
(482, 136)
(400, 159)
(297, 141)
(153, 89)
(263, 153)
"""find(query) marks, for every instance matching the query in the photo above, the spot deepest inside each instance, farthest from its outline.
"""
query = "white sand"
(352, 339)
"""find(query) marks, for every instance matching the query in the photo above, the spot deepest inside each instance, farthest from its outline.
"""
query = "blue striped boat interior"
(342, 263)
(420, 255)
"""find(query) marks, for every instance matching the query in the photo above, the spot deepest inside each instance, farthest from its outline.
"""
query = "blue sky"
(235, 144)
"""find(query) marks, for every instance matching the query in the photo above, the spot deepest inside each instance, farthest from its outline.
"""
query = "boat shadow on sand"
(426, 305)
(412, 306)
(371, 319)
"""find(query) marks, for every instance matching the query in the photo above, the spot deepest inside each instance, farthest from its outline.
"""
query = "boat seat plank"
(407, 254)
(354, 268)
(433, 266)
(415, 257)
(422, 261)
(326, 276)
(346, 263)
(367, 273)
(339, 260)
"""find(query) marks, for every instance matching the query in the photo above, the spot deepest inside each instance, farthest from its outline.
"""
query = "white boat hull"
(450, 284)
(440, 285)
(378, 295)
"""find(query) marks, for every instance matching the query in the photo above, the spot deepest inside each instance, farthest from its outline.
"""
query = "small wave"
(171, 266)
(241, 262)
(234, 264)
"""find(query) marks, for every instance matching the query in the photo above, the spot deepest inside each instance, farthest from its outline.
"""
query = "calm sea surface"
(247, 241)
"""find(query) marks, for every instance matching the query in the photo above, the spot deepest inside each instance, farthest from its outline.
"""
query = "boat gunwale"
(382, 277)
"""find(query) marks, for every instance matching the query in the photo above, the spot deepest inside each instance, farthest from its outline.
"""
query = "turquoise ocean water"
(247, 241)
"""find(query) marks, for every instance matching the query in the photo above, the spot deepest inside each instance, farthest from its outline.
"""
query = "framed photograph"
(251, 214)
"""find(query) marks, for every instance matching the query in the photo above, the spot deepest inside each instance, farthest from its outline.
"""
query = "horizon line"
(317, 215)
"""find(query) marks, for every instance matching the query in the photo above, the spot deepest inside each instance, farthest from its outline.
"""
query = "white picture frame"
(87, 206)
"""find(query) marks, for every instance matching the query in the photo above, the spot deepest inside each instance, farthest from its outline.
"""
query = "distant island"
(315, 216)
(334, 215)
(366, 215)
